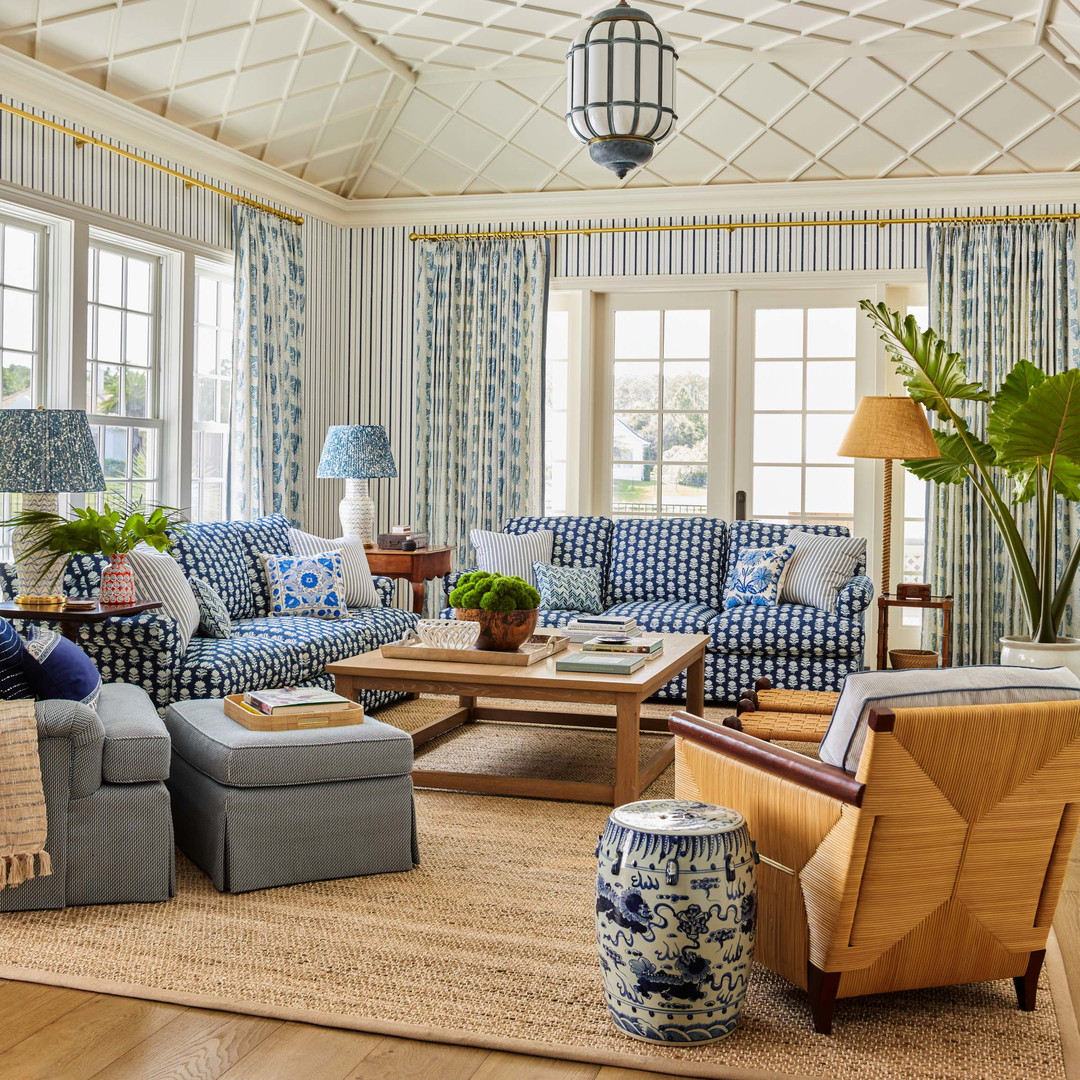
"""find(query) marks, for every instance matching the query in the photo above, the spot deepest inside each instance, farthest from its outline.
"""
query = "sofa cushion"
(788, 630)
(743, 534)
(231, 754)
(214, 618)
(13, 680)
(58, 668)
(990, 684)
(271, 652)
(670, 616)
(359, 587)
(668, 559)
(576, 540)
(212, 551)
(264, 536)
(137, 747)
(756, 577)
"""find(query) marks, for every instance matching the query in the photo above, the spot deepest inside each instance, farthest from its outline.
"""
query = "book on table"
(649, 646)
(602, 663)
(581, 631)
(292, 699)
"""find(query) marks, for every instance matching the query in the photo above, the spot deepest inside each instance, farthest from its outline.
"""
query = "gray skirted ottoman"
(257, 809)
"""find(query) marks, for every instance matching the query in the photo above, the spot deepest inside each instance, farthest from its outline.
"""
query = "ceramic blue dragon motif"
(675, 918)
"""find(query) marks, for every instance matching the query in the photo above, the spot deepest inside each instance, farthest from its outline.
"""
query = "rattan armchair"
(939, 862)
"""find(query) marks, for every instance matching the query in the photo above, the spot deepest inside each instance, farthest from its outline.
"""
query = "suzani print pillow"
(756, 576)
(311, 585)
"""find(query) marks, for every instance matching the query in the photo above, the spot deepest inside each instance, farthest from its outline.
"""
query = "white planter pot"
(1023, 652)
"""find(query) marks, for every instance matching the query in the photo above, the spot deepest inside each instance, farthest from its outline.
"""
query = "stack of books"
(601, 663)
(615, 643)
(585, 627)
(295, 699)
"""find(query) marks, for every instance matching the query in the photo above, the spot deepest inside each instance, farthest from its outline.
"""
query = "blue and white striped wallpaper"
(360, 366)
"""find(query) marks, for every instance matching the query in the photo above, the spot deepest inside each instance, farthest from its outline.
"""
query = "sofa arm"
(145, 650)
(855, 597)
(80, 726)
(384, 586)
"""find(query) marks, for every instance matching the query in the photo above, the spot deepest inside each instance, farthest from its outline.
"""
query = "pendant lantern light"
(621, 87)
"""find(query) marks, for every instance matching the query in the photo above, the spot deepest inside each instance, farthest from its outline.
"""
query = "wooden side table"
(416, 567)
(886, 602)
(71, 620)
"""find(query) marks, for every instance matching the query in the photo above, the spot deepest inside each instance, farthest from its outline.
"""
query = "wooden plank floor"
(49, 1033)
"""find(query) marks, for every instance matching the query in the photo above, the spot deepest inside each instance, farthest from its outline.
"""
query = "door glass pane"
(110, 278)
(824, 431)
(19, 317)
(634, 437)
(633, 489)
(686, 385)
(830, 492)
(139, 278)
(830, 384)
(777, 492)
(830, 331)
(637, 386)
(637, 335)
(684, 489)
(778, 386)
(778, 332)
(777, 438)
(686, 335)
(686, 436)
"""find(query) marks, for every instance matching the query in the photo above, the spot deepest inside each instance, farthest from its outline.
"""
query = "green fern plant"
(1031, 452)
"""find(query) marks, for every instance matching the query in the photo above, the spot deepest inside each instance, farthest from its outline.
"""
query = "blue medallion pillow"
(58, 668)
(13, 681)
(214, 618)
(755, 578)
(570, 588)
(312, 585)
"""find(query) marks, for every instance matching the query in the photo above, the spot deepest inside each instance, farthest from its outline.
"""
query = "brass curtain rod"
(189, 181)
(731, 226)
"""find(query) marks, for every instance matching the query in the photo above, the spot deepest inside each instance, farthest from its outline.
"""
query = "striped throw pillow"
(819, 567)
(13, 681)
(512, 554)
(158, 577)
(359, 585)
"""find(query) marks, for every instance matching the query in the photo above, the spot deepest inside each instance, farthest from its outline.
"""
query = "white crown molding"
(721, 199)
(69, 99)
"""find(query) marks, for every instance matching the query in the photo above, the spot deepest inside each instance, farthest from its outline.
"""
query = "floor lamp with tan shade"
(888, 429)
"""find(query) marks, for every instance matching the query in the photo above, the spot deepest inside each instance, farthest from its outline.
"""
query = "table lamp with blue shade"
(42, 453)
(357, 453)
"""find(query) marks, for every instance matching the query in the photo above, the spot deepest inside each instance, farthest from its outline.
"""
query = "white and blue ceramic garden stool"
(675, 909)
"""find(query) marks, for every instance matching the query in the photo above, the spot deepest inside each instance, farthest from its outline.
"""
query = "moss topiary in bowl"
(505, 607)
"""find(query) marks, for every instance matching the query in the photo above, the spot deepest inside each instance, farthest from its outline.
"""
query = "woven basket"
(913, 658)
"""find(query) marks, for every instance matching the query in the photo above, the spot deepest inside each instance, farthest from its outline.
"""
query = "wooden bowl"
(501, 631)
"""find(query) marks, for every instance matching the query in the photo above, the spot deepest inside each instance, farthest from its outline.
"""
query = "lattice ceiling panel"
(440, 97)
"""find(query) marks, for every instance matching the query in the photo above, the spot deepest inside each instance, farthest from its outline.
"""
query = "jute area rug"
(489, 942)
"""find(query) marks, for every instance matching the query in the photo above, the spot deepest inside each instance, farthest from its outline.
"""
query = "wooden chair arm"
(816, 775)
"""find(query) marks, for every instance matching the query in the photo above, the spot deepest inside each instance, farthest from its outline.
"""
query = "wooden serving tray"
(294, 721)
(539, 647)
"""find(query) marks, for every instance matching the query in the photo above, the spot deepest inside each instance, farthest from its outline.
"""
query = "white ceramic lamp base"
(38, 585)
(357, 512)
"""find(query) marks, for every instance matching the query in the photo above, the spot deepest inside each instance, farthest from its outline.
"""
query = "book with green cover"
(604, 664)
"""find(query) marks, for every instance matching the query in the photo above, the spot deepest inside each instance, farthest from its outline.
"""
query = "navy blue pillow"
(13, 681)
(58, 668)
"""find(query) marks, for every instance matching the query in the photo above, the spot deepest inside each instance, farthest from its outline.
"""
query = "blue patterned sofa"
(264, 651)
(669, 573)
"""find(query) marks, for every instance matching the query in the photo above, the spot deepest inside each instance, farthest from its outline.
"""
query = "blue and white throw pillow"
(819, 567)
(160, 577)
(13, 681)
(214, 618)
(360, 591)
(512, 554)
(58, 668)
(755, 578)
(570, 588)
(311, 585)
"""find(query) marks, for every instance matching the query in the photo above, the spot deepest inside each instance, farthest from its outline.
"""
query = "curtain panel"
(998, 294)
(270, 294)
(481, 311)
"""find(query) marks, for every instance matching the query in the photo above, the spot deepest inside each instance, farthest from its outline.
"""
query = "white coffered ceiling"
(442, 97)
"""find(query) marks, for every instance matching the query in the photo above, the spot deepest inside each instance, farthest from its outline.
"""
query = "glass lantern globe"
(621, 87)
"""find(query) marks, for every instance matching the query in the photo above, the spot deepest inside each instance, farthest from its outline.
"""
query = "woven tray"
(294, 721)
(537, 649)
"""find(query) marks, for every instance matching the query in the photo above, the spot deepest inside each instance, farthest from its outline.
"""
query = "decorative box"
(402, 541)
(913, 590)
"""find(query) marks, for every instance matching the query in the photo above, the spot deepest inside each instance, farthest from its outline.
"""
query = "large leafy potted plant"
(1030, 453)
(505, 607)
(113, 531)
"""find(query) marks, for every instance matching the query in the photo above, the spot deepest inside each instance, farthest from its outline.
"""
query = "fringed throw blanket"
(22, 800)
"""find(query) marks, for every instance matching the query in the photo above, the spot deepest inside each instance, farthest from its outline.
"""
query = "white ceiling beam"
(719, 55)
(325, 12)
(1042, 17)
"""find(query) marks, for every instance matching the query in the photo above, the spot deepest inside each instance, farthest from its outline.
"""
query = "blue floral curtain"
(270, 297)
(998, 294)
(480, 318)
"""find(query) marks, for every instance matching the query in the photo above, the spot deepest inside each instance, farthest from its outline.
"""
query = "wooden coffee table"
(541, 682)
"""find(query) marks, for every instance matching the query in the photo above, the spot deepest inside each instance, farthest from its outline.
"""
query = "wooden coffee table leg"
(468, 703)
(627, 735)
(695, 687)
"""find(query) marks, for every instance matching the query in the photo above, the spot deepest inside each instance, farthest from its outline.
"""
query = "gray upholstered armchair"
(110, 824)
